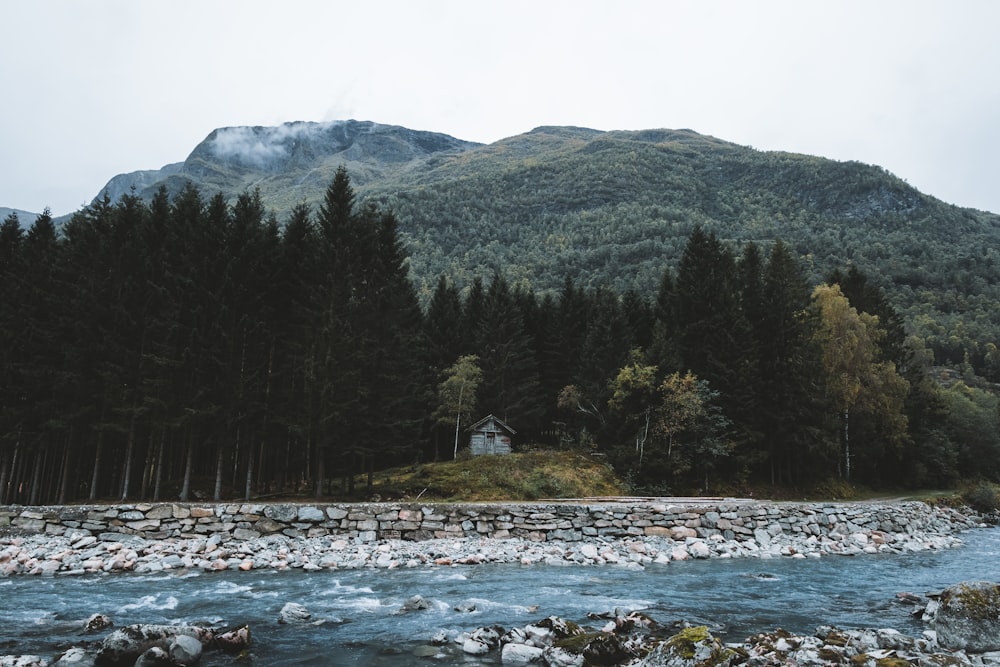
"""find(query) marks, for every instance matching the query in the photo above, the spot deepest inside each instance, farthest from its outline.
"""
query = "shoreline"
(38, 541)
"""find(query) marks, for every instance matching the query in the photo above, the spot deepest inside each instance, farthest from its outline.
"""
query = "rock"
(416, 603)
(520, 654)
(75, 657)
(969, 617)
(293, 613)
(426, 651)
(153, 657)
(699, 549)
(184, 651)
(125, 645)
(689, 647)
(311, 514)
(475, 647)
(466, 607)
(97, 622)
(489, 636)
(233, 641)
(22, 661)
(556, 656)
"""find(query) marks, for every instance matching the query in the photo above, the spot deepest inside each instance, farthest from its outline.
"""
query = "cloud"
(263, 147)
(247, 145)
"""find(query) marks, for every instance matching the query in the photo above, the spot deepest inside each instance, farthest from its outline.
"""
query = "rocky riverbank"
(963, 631)
(152, 538)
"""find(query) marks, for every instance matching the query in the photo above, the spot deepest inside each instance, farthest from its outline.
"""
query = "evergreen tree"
(715, 340)
(789, 412)
(510, 387)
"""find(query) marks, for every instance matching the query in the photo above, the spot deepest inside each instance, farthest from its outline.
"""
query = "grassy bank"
(521, 476)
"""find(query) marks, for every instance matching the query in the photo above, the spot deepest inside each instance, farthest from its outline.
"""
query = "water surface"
(361, 608)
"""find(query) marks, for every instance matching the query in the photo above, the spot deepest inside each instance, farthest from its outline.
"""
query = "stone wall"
(729, 520)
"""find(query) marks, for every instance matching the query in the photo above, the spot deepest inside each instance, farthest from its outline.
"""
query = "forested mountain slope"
(614, 208)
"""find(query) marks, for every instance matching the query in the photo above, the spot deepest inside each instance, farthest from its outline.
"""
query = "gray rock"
(185, 651)
(125, 645)
(153, 657)
(520, 654)
(969, 617)
(311, 514)
(97, 622)
(293, 613)
(416, 603)
(235, 640)
(475, 647)
(75, 657)
(22, 661)
(560, 657)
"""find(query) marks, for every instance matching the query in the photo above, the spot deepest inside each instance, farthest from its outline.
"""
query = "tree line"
(188, 346)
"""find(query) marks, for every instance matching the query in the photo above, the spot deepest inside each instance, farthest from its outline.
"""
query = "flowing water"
(363, 625)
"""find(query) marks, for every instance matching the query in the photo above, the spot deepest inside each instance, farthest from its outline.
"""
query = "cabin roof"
(498, 421)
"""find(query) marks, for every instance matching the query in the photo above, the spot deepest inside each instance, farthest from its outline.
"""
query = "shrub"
(983, 498)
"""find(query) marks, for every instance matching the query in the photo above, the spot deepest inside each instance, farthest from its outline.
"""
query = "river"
(364, 627)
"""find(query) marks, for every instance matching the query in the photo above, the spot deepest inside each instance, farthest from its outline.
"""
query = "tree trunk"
(95, 476)
(36, 477)
(188, 466)
(249, 479)
(129, 449)
(4, 476)
(847, 445)
(320, 470)
(65, 472)
(15, 472)
(158, 473)
(219, 458)
(147, 468)
(458, 417)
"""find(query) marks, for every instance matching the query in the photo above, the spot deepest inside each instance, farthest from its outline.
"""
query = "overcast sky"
(96, 88)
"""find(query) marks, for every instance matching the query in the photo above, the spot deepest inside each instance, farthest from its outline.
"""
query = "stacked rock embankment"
(145, 536)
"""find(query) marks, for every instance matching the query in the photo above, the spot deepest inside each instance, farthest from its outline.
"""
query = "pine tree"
(510, 387)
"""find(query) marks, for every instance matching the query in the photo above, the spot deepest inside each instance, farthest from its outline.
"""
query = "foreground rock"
(968, 617)
(125, 645)
(145, 646)
(556, 643)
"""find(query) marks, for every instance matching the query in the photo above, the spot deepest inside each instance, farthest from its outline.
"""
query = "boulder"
(520, 654)
(154, 657)
(22, 661)
(75, 657)
(475, 647)
(689, 647)
(125, 645)
(97, 622)
(556, 656)
(968, 617)
(416, 603)
(293, 613)
(233, 641)
(184, 651)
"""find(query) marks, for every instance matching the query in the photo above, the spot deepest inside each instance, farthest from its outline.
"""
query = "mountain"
(24, 217)
(617, 207)
(293, 162)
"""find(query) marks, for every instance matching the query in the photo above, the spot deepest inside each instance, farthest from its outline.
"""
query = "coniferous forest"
(152, 349)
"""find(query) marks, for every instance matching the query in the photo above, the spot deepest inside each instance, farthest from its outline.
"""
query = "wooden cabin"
(489, 435)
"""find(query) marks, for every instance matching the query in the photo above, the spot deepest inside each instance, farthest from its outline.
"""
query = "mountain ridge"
(614, 208)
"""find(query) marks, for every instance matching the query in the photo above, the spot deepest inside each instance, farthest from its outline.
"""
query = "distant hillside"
(616, 208)
(25, 217)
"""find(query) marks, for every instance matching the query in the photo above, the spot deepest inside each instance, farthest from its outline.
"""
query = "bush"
(983, 498)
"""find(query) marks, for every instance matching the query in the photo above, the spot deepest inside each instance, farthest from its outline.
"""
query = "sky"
(94, 88)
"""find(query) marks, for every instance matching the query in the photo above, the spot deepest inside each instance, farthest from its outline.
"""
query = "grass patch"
(519, 476)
